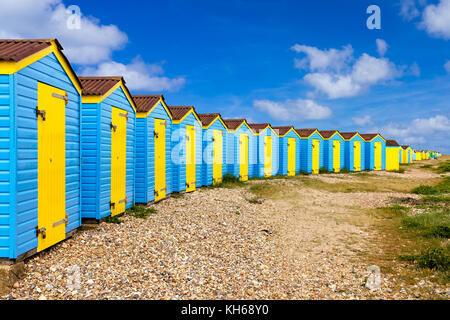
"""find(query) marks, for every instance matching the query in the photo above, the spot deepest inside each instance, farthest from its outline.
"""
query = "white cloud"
(321, 60)
(138, 75)
(447, 66)
(422, 131)
(408, 9)
(362, 121)
(436, 19)
(337, 74)
(90, 44)
(291, 110)
(334, 86)
(382, 47)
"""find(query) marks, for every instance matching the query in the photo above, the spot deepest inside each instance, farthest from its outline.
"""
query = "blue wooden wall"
(252, 151)
(306, 152)
(178, 157)
(370, 156)
(96, 150)
(145, 154)
(259, 169)
(207, 166)
(283, 153)
(349, 153)
(19, 154)
(328, 152)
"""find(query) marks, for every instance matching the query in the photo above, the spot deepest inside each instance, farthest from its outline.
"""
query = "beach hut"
(333, 150)
(186, 149)
(108, 147)
(289, 151)
(355, 155)
(406, 154)
(214, 148)
(375, 151)
(418, 155)
(267, 146)
(392, 155)
(40, 102)
(311, 159)
(241, 149)
(153, 146)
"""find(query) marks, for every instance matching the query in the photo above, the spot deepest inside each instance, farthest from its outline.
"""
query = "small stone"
(16, 285)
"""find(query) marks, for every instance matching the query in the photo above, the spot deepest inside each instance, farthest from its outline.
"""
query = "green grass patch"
(114, 219)
(344, 170)
(442, 187)
(430, 224)
(395, 210)
(324, 170)
(177, 195)
(141, 212)
(444, 167)
(229, 181)
(435, 258)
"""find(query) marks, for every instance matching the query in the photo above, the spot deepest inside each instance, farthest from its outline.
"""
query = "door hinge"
(42, 231)
(125, 115)
(155, 134)
(60, 96)
(113, 127)
(125, 200)
(112, 205)
(40, 113)
(65, 221)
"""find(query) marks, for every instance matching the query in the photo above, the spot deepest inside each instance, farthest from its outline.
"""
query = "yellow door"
(377, 154)
(392, 162)
(51, 166)
(267, 156)
(190, 158)
(217, 156)
(243, 157)
(315, 156)
(160, 159)
(291, 157)
(118, 160)
(336, 155)
(357, 156)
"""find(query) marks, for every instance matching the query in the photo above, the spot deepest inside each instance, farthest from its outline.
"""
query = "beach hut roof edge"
(306, 133)
(328, 134)
(179, 113)
(96, 89)
(16, 54)
(392, 143)
(259, 128)
(235, 124)
(146, 103)
(370, 136)
(207, 119)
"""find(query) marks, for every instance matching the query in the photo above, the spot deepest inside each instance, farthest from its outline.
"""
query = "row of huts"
(74, 148)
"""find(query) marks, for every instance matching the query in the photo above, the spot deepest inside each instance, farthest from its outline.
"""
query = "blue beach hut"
(241, 149)
(333, 150)
(375, 151)
(267, 146)
(108, 147)
(289, 151)
(40, 102)
(355, 155)
(153, 148)
(311, 159)
(214, 148)
(186, 149)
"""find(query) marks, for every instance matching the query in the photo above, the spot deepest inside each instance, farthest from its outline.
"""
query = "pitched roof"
(178, 112)
(405, 147)
(368, 136)
(305, 132)
(282, 130)
(144, 103)
(233, 124)
(348, 135)
(258, 127)
(392, 143)
(207, 118)
(17, 50)
(98, 86)
(327, 133)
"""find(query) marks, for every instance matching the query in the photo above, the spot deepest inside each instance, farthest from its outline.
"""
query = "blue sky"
(301, 63)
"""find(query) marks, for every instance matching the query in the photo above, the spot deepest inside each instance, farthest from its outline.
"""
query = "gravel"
(215, 244)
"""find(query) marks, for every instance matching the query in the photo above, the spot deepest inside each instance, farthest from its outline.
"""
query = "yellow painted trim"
(146, 114)
(11, 67)
(291, 129)
(257, 134)
(215, 119)
(99, 99)
(185, 116)
(312, 134)
(337, 132)
(243, 122)
(357, 134)
(378, 135)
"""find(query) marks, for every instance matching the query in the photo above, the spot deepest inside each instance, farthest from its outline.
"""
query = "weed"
(345, 170)
(114, 219)
(323, 170)
(237, 213)
(229, 181)
(434, 258)
(442, 187)
(177, 195)
(444, 167)
(141, 212)
(304, 173)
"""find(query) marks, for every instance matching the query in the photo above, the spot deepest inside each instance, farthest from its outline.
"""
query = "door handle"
(113, 127)
(40, 113)
(42, 231)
